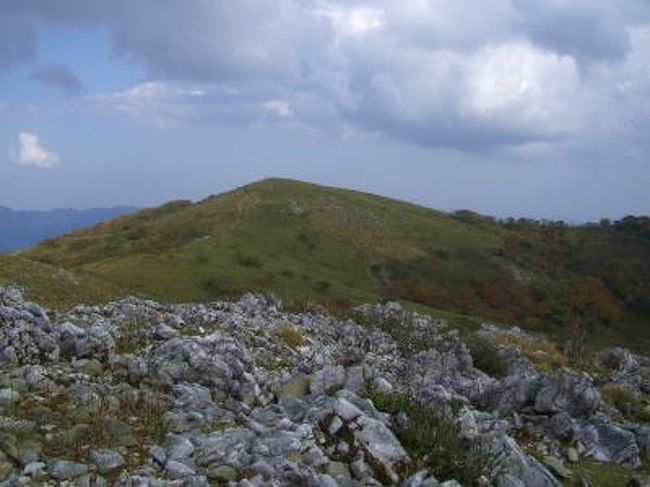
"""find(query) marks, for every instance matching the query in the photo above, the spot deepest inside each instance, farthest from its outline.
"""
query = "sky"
(537, 108)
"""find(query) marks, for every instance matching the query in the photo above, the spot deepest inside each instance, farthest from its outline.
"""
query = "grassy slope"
(300, 239)
(54, 287)
(311, 242)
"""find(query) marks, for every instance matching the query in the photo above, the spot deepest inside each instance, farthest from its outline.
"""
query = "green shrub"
(435, 443)
(323, 286)
(248, 261)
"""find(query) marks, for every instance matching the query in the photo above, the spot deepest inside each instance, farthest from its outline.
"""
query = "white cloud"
(352, 21)
(159, 103)
(31, 153)
(281, 108)
(522, 86)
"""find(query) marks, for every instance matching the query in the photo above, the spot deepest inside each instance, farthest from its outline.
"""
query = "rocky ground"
(241, 393)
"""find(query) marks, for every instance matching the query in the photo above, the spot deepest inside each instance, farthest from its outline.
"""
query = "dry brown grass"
(291, 336)
(543, 354)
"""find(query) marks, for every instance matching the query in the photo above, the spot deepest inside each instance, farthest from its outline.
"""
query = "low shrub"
(435, 443)
(248, 261)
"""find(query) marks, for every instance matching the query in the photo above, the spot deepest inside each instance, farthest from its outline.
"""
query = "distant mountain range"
(22, 228)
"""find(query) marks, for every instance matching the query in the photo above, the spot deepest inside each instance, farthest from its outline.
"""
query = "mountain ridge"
(309, 242)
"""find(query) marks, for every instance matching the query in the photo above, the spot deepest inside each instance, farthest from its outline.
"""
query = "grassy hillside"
(54, 287)
(311, 242)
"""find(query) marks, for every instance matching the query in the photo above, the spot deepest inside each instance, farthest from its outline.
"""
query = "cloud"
(31, 153)
(58, 76)
(439, 73)
(168, 105)
(280, 108)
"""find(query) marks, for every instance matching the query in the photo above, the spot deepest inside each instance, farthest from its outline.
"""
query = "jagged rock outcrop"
(242, 393)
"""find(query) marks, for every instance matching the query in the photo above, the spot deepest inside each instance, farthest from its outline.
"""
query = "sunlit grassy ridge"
(304, 241)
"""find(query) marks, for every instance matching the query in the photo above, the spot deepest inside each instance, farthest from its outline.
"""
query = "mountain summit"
(309, 242)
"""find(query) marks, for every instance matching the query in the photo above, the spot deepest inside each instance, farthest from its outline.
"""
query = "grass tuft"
(291, 336)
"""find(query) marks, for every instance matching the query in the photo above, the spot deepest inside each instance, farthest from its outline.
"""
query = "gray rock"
(346, 410)
(380, 443)
(360, 469)
(556, 466)
(37, 379)
(564, 391)
(421, 479)
(176, 470)
(180, 448)
(66, 470)
(342, 448)
(335, 425)
(516, 468)
(510, 394)
(326, 379)
(106, 460)
(158, 454)
(9, 396)
(11, 295)
(572, 455)
(382, 385)
(451, 368)
(611, 443)
(216, 361)
(229, 447)
(34, 469)
(450, 483)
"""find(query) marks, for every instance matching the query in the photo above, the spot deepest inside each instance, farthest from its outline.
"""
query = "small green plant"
(331, 391)
(435, 443)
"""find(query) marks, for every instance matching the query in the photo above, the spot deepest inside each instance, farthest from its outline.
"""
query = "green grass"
(309, 242)
(598, 474)
(52, 286)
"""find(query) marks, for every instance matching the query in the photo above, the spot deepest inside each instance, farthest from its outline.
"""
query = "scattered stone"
(556, 466)
(106, 460)
(326, 379)
(176, 470)
(204, 378)
(66, 470)
(572, 455)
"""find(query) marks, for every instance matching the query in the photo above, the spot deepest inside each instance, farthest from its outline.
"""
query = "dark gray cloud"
(58, 76)
(17, 42)
(588, 30)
